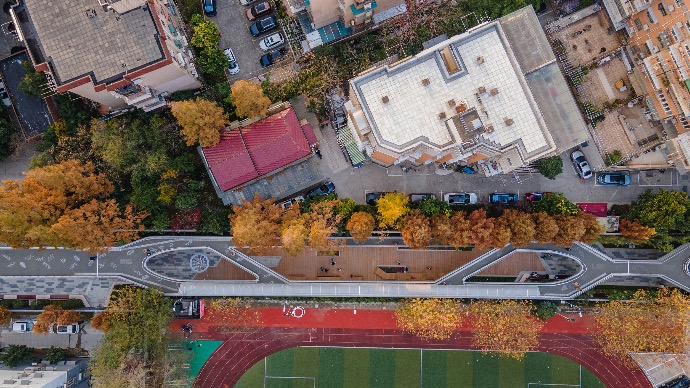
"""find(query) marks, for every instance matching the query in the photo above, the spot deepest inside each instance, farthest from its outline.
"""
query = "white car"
(460, 198)
(292, 201)
(23, 326)
(246, 2)
(67, 329)
(4, 96)
(581, 164)
(272, 41)
(234, 68)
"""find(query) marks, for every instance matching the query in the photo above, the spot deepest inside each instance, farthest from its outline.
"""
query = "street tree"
(69, 317)
(544, 309)
(431, 206)
(416, 231)
(33, 82)
(201, 121)
(646, 323)
(323, 219)
(205, 34)
(53, 314)
(545, 228)
(442, 229)
(570, 229)
(482, 229)
(522, 227)
(592, 227)
(391, 208)
(360, 226)
(294, 235)
(249, 99)
(461, 230)
(430, 318)
(550, 167)
(54, 354)
(664, 211)
(213, 62)
(635, 231)
(555, 203)
(14, 355)
(502, 234)
(504, 326)
(256, 225)
(5, 315)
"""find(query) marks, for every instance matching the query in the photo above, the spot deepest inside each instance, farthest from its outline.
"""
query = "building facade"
(118, 53)
(468, 99)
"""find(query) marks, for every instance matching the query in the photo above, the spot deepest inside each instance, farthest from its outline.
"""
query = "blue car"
(614, 179)
(209, 7)
(503, 198)
(324, 189)
(261, 26)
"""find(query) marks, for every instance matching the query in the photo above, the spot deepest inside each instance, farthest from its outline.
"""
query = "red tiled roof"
(309, 133)
(258, 149)
(599, 209)
(229, 161)
(275, 141)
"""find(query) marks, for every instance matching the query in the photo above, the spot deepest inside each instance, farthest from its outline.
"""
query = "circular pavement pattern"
(198, 262)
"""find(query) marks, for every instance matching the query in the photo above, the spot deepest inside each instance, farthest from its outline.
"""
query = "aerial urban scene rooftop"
(352, 193)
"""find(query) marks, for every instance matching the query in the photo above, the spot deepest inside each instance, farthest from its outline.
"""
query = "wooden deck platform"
(514, 264)
(225, 270)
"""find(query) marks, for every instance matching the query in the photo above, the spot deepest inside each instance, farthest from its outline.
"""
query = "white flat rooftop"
(412, 110)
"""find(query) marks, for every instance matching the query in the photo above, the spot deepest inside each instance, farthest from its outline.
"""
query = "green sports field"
(380, 368)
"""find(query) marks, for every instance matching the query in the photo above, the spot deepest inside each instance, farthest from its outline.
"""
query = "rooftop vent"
(442, 116)
(480, 60)
(489, 128)
(508, 121)
(38, 375)
(451, 102)
(26, 382)
(91, 13)
(460, 108)
(384, 99)
(494, 91)
(426, 82)
(482, 89)
(10, 382)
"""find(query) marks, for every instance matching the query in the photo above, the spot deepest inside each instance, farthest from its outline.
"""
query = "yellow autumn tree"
(54, 314)
(636, 232)
(431, 318)
(249, 99)
(5, 315)
(505, 327)
(201, 121)
(391, 208)
(294, 235)
(256, 225)
(323, 221)
(644, 323)
(360, 226)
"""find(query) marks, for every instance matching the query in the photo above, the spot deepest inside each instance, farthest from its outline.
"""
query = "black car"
(267, 60)
(264, 25)
(324, 189)
(209, 7)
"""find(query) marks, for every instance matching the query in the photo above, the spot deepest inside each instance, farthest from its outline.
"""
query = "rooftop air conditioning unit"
(451, 102)
(494, 91)
(442, 116)
(426, 82)
(480, 60)
(508, 121)
(489, 128)
(384, 99)
(482, 89)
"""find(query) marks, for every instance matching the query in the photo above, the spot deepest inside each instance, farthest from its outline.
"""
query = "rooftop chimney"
(384, 99)
(508, 121)
(426, 82)
(494, 91)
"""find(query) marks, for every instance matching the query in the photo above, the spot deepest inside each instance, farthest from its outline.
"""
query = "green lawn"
(356, 367)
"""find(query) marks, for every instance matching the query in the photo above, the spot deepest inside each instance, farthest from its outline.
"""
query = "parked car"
(264, 25)
(4, 96)
(272, 41)
(209, 7)
(372, 197)
(259, 10)
(324, 189)
(536, 196)
(246, 2)
(460, 198)
(581, 164)
(233, 68)
(268, 59)
(503, 198)
(420, 197)
(67, 329)
(292, 201)
(23, 326)
(614, 179)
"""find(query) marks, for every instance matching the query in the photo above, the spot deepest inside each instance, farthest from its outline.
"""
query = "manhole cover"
(198, 263)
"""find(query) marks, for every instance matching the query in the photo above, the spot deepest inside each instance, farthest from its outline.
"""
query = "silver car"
(581, 164)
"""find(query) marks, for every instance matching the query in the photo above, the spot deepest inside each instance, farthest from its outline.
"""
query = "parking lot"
(234, 28)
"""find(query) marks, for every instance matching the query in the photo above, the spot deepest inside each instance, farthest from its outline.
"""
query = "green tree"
(613, 158)
(664, 211)
(494, 9)
(54, 354)
(431, 206)
(213, 62)
(7, 136)
(550, 167)
(544, 309)
(33, 83)
(205, 35)
(15, 355)
(391, 208)
(555, 203)
(346, 208)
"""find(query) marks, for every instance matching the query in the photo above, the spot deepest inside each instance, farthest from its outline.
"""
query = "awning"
(348, 142)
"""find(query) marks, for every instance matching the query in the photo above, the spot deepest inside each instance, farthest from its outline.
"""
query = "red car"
(259, 10)
(536, 196)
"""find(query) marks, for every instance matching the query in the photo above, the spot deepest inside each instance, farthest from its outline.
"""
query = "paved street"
(87, 339)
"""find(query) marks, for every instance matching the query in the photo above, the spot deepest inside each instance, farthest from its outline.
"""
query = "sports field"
(362, 367)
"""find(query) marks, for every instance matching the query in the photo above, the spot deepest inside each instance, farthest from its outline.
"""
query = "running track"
(376, 328)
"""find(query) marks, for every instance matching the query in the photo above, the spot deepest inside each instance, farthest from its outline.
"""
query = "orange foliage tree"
(416, 230)
(323, 222)
(256, 225)
(461, 230)
(570, 229)
(69, 317)
(504, 326)
(522, 227)
(54, 314)
(360, 226)
(636, 232)
(430, 318)
(482, 228)
(502, 233)
(5, 315)
(442, 229)
(592, 227)
(545, 228)
(645, 323)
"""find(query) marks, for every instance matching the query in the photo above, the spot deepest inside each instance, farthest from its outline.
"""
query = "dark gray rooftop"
(31, 110)
(78, 37)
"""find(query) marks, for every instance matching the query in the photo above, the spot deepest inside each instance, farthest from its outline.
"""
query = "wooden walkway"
(515, 263)
(225, 270)
(362, 263)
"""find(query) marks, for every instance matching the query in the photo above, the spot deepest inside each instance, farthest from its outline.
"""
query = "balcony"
(363, 8)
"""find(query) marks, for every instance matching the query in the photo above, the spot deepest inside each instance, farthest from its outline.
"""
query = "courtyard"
(588, 40)
(607, 84)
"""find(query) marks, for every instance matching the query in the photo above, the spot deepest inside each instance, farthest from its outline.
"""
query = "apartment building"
(660, 45)
(620, 11)
(469, 99)
(118, 53)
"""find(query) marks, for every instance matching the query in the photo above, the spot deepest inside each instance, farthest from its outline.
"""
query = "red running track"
(377, 328)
